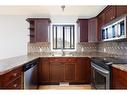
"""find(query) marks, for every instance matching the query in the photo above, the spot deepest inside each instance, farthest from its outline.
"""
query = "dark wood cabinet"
(44, 70)
(39, 28)
(121, 9)
(70, 72)
(101, 22)
(119, 81)
(73, 70)
(92, 30)
(12, 79)
(83, 29)
(110, 13)
(56, 72)
(83, 71)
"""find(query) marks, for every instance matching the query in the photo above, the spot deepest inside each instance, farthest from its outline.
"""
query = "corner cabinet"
(101, 22)
(92, 30)
(82, 27)
(39, 29)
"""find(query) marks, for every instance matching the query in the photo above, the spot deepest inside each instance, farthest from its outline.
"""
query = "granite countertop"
(9, 64)
(120, 66)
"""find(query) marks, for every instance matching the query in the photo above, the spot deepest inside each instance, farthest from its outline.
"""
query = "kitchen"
(60, 48)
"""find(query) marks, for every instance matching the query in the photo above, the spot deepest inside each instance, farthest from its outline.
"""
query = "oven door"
(100, 77)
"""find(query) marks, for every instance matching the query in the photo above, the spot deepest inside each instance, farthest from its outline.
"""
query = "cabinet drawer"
(63, 60)
(15, 84)
(11, 76)
(58, 59)
(73, 60)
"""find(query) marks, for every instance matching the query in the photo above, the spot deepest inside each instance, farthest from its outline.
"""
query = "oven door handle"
(100, 70)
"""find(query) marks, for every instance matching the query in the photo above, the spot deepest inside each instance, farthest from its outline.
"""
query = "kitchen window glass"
(63, 36)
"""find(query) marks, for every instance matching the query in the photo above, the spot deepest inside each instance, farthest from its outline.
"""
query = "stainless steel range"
(101, 71)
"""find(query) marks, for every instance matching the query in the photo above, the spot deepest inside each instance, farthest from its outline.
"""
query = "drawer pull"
(15, 74)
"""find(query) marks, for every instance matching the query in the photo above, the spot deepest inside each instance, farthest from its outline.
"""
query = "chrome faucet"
(63, 53)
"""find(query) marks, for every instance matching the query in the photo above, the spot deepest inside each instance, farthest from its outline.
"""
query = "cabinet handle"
(15, 74)
(15, 85)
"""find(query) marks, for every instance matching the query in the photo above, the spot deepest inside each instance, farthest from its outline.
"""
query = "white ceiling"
(85, 11)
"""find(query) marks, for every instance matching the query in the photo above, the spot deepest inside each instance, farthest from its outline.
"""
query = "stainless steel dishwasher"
(31, 75)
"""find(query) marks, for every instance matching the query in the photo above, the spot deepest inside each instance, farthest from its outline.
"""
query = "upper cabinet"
(92, 30)
(101, 22)
(39, 29)
(107, 16)
(83, 29)
(121, 9)
(110, 13)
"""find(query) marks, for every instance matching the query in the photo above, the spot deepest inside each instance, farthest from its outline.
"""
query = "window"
(63, 37)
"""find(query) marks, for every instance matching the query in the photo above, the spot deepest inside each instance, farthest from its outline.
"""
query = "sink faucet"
(63, 53)
(61, 44)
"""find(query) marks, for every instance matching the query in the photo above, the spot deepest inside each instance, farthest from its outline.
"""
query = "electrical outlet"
(40, 50)
(104, 50)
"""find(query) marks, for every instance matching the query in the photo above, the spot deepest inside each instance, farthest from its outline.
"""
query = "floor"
(69, 87)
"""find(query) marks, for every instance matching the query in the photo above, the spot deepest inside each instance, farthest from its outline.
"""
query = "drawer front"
(14, 85)
(11, 76)
(63, 60)
(57, 60)
(73, 60)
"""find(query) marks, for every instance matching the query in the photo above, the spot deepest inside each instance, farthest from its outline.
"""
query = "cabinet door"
(101, 22)
(44, 70)
(83, 70)
(83, 29)
(69, 72)
(56, 72)
(110, 13)
(41, 30)
(92, 30)
(12, 79)
(121, 9)
(119, 81)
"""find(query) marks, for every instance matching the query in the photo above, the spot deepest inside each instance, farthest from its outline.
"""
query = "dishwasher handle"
(29, 65)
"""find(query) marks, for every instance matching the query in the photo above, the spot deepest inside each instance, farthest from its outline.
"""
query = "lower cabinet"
(70, 72)
(73, 70)
(119, 79)
(44, 68)
(12, 79)
(83, 71)
(56, 72)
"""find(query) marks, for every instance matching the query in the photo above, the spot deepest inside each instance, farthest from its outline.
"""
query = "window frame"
(75, 37)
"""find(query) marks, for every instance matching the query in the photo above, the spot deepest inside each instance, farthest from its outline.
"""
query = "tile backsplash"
(45, 47)
(87, 47)
(116, 48)
(39, 47)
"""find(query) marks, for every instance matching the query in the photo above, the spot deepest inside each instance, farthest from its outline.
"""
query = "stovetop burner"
(106, 62)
